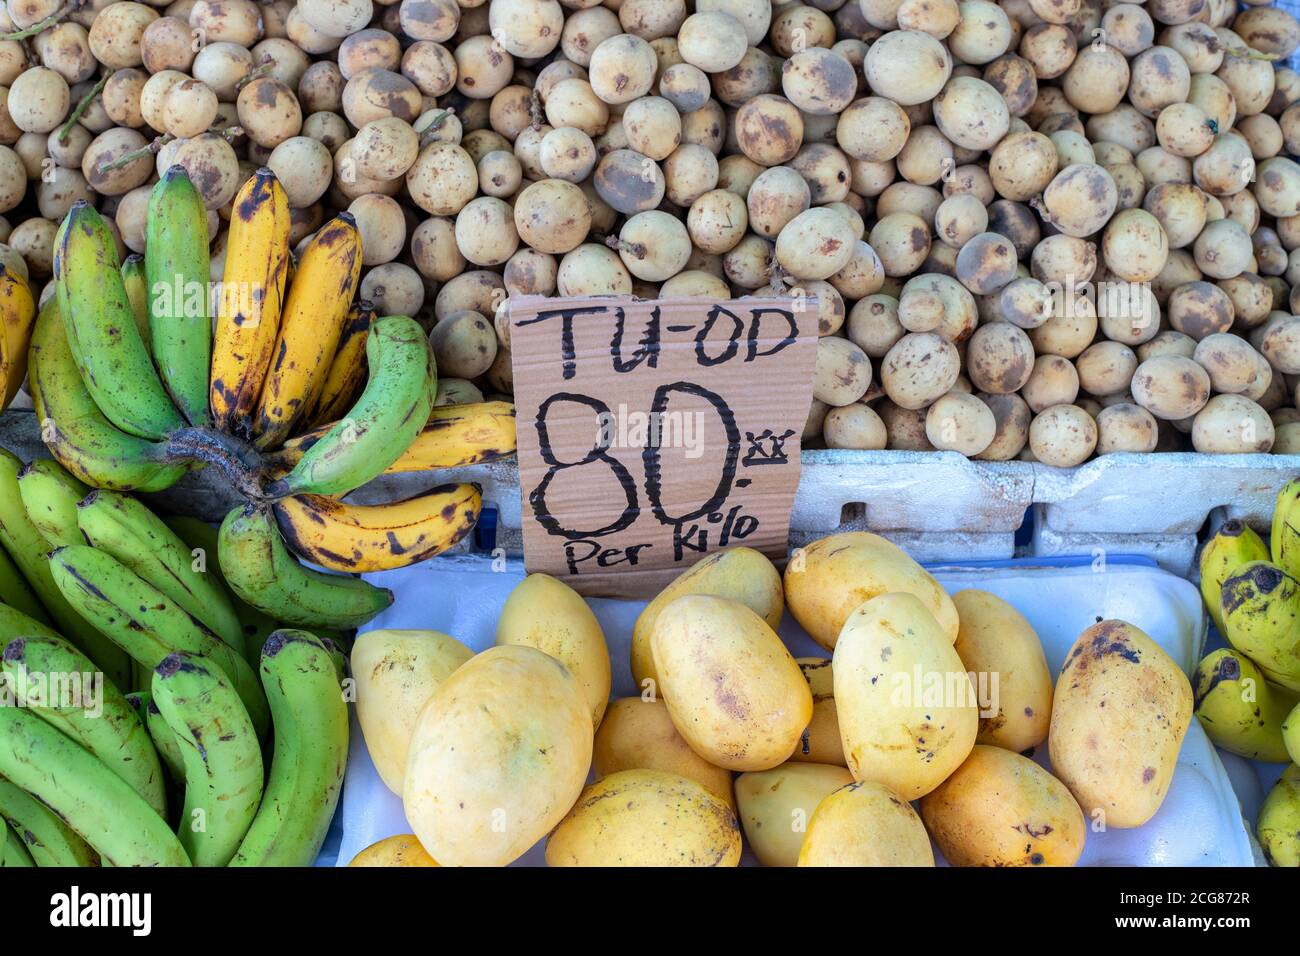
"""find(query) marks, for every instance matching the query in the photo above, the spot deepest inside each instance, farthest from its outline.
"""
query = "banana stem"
(254, 74)
(229, 134)
(1246, 53)
(427, 134)
(82, 106)
(42, 25)
(149, 149)
(536, 114)
(637, 249)
(775, 276)
(238, 460)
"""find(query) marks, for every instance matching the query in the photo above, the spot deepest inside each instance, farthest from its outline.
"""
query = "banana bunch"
(82, 776)
(139, 738)
(283, 379)
(1248, 694)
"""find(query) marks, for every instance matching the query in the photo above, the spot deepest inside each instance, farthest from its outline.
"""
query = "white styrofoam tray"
(1200, 823)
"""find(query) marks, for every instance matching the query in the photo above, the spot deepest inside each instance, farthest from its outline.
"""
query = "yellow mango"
(639, 734)
(776, 805)
(741, 574)
(1121, 709)
(547, 614)
(828, 579)
(734, 692)
(396, 672)
(499, 755)
(646, 818)
(907, 711)
(1003, 653)
(865, 824)
(1001, 809)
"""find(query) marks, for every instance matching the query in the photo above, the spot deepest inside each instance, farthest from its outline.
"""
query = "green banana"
(1240, 711)
(50, 677)
(261, 571)
(165, 742)
(90, 798)
(49, 840)
(133, 280)
(301, 679)
(256, 626)
(177, 267)
(1285, 536)
(1278, 825)
(14, 623)
(146, 623)
(1234, 545)
(383, 422)
(223, 760)
(12, 851)
(1261, 618)
(111, 356)
(50, 495)
(29, 548)
(74, 429)
(130, 532)
(16, 592)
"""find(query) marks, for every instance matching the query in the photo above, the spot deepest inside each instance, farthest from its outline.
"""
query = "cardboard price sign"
(652, 433)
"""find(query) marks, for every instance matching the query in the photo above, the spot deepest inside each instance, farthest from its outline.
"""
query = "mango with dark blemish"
(1001, 809)
(1121, 709)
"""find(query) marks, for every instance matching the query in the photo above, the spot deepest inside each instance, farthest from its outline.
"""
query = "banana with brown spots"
(360, 538)
(252, 292)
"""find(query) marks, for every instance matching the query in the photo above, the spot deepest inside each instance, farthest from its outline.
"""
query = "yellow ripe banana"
(17, 316)
(1239, 709)
(315, 309)
(1261, 618)
(456, 435)
(1234, 545)
(1278, 826)
(252, 291)
(360, 538)
(348, 370)
(1285, 536)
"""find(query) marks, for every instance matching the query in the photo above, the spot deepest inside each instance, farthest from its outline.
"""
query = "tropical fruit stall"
(649, 432)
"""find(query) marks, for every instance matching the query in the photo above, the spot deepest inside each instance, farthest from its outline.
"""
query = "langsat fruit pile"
(1036, 230)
